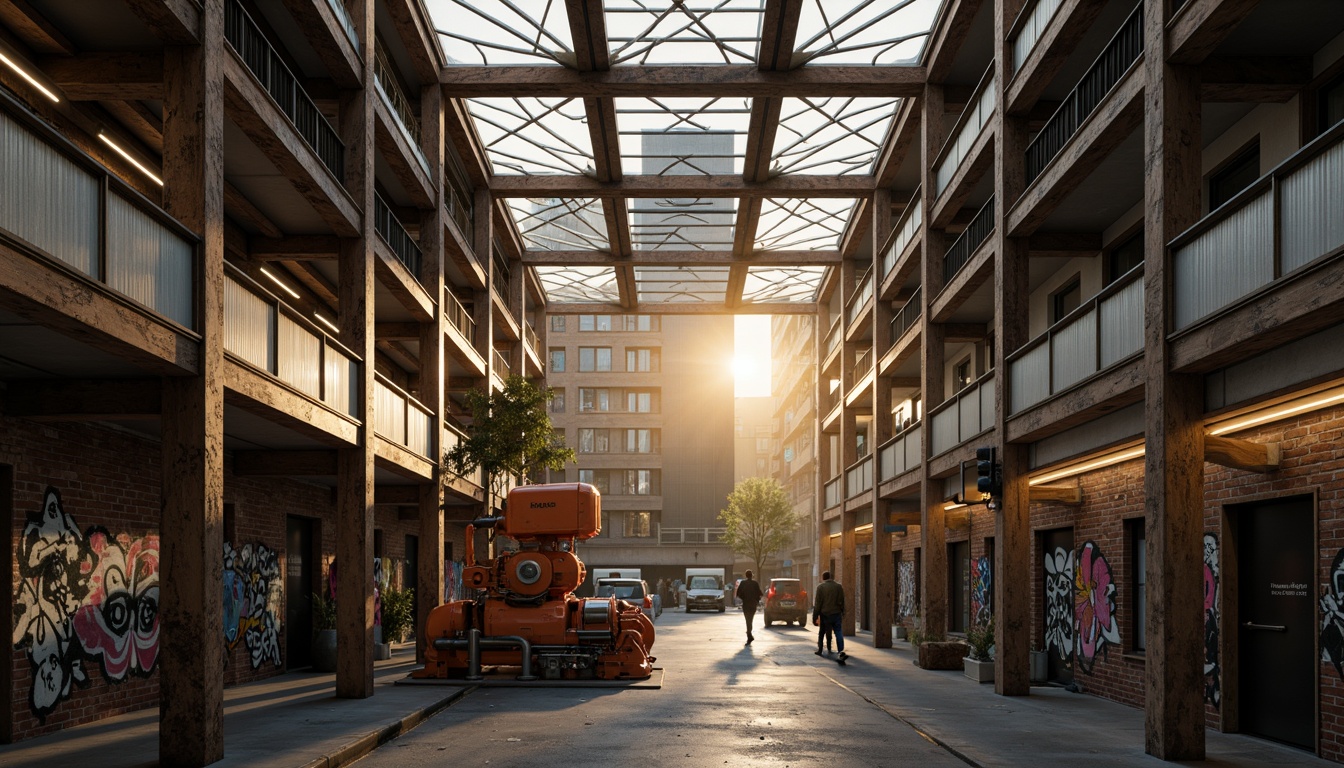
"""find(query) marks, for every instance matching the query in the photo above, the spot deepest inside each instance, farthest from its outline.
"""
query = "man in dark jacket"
(749, 592)
(828, 611)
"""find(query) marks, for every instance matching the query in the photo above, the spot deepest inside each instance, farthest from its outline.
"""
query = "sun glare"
(751, 358)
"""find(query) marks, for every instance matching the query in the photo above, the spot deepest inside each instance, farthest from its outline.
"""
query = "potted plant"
(979, 662)
(324, 633)
(398, 613)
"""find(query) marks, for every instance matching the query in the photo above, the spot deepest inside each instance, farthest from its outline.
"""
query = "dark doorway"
(1275, 585)
(866, 578)
(958, 585)
(410, 568)
(7, 588)
(299, 592)
(1057, 566)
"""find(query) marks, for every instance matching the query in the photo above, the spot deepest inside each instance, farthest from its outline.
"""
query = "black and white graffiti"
(252, 593)
(1212, 673)
(1059, 605)
(1332, 617)
(905, 577)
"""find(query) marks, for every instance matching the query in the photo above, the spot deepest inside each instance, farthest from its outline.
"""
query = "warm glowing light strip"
(276, 280)
(1319, 400)
(31, 81)
(139, 166)
(863, 528)
(951, 505)
(1078, 469)
(327, 322)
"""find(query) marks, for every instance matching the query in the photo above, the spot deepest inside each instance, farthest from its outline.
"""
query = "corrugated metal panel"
(299, 357)
(1029, 379)
(341, 371)
(987, 403)
(1312, 209)
(417, 431)
(913, 445)
(968, 412)
(1114, 427)
(1031, 30)
(148, 262)
(1225, 263)
(1122, 324)
(48, 200)
(1073, 352)
(249, 326)
(970, 131)
(944, 430)
(389, 413)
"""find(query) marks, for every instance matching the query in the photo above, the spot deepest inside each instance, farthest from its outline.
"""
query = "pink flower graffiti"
(1093, 605)
(119, 621)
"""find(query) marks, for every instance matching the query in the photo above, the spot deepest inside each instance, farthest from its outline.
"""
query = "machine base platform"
(503, 677)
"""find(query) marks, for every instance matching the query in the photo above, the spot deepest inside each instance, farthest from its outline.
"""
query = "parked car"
(786, 601)
(635, 591)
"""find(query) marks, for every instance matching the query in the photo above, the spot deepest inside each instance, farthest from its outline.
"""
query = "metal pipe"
(475, 643)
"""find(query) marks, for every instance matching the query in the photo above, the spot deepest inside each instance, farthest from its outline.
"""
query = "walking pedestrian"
(828, 611)
(749, 592)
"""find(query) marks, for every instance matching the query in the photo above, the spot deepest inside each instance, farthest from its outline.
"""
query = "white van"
(704, 589)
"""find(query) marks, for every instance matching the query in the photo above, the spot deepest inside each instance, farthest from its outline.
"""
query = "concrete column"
(354, 464)
(191, 680)
(883, 576)
(1174, 464)
(933, 531)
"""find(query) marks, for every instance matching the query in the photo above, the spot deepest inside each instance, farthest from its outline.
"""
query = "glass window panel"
(560, 224)
(681, 32)
(780, 284)
(681, 284)
(476, 32)
(677, 224)
(531, 135)
(802, 225)
(832, 136)
(863, 31)
(579, 284)
(680, 136)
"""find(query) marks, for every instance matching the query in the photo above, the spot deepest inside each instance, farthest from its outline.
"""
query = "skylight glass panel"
(681, 224)
(682, 285)
(560, 224)
(534, 136)
(864, 31)
(798, 224)
(481, 32)
(582, 285)
(832, 136)
(681, 136)
(684, 31)
(782, 284)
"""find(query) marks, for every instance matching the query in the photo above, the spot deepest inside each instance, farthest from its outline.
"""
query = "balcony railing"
(1027, 29)
(460, 209)
(343, 16)
(451, 437)
(395, 235)
(267, 334)
(57, 202)
(907, 315)
(1281, 223)
(832, 336)
(533, 341)
(834, 492)
(1115, 60)
(386, 80)
(859, 478)
(978, 111)
(459, 317)
(901, 454)
(690, 535)
(1102, 332)
(863, 362)
(861, 295)
(907, 228)
(964, 415)
(400, 418)
(501, 364)
(968, 241)
(251, 46)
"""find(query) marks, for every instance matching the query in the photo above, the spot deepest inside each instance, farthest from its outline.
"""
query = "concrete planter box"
(979, 671)
(943, 654)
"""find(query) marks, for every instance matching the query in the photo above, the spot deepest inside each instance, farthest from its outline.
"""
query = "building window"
(1066, 299)
(640, 482)
(962, 375)
(594, 323)
(640, 441)
(594, 440)
(557, 323)
(594, 359)
(1234, 176)
(591, 399)
(1138, 565)
(558, 400)
(638, 525)
(1331, 105)
(639, 323)
(639, 401)
(557, 361)
(1124, 257)
(643, 359)
(599, 480)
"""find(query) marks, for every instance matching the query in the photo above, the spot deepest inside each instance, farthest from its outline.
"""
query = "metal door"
(298, 593)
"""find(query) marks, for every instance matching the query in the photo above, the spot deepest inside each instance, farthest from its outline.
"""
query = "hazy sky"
(751, 356)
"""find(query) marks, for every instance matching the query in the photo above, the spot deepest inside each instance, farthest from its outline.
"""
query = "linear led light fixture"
(277, 281)
(31, 80)
(1088, 466)
(866, 527)
(1282, 411)
(951, 505)
(326, 322)
(139, 165)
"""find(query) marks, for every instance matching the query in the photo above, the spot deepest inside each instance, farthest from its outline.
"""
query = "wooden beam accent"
(680, 258)
(83, 399)
(660, 81)
(588, 31)
(416, 32)
(953, 27)
(1254, 79)
(904, 134)
(116, 76)
(285, 248)
(461, 129)
(259, 394)
(397, 331)
(304, 463)
(958, 519)
(237, 205)
(681, 186)
(389, 495)
(1056, 494)
(176, 22)
(856, 231)
(1060, 38)
(960, 333)
(314, 281)
(328, 38)
(751, 308)
(1241, 454)
(1064, 244)
(32, 27)
(1200, 25)
(1096, 397)
(401, 157)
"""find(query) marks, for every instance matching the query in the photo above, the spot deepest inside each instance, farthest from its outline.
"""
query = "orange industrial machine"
(525, 613)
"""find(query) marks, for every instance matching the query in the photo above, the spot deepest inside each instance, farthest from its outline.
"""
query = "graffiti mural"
(1332, 616)
(83, 596)
(982, 590)
(252, 593)
(1059, 605)
(905, 577)
(1212, 673)
(1095, 622)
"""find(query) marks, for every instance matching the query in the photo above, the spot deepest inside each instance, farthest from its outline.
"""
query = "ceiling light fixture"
(1282, 411)
(1087, 466)
(327, 322)
(951, 505)
(277, 281)
(31, 80)
(139, 165)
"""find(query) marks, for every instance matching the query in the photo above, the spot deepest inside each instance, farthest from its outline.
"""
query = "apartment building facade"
(793, 345)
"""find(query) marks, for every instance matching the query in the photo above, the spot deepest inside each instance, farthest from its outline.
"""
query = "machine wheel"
(721, 609)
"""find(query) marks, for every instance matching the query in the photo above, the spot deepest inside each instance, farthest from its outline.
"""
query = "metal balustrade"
(389, 228)
(533, 341)
(400, 418)
(343, 16)
(861, 295)
(863, 362)
(907, 228)
(264, 332)
(1027, 29)
(833, 336)
(459, 317)
(908, 315)
(901, 454)
(452, 436)
(247, 41)
(968, 241)
(400, 106)
(1286, 220)
(690, 535)
(1102, 332)
(834, 488)
(501, 364)
(859, 478)
(962, 416)
(978, 112)
(460, 209)
(1105, 73)
(53, 198)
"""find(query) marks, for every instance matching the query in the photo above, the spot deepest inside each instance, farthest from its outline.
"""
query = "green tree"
(759, 519)
(510, 436)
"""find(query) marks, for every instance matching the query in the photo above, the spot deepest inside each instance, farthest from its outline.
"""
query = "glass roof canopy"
(701, 247)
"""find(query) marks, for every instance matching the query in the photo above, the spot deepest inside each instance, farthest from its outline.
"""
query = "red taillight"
(771, 593)
(648, 601)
